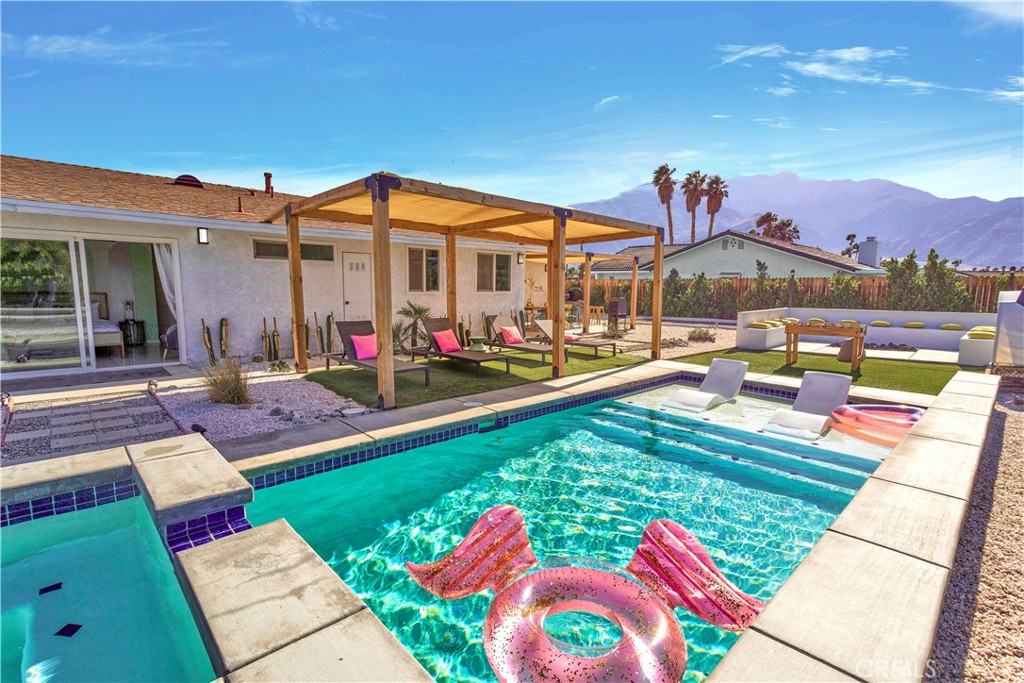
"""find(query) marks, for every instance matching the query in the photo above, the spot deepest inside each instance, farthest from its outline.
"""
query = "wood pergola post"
(633, 293)
(295, 285)
(659, 267)
(557, 263)
(382, 286)
(451, 279)
(586, 292)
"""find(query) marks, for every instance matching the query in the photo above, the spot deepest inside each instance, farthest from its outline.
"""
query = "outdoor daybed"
(435, 326)
(362, 328)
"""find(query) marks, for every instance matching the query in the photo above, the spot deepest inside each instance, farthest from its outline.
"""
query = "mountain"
(977, 231)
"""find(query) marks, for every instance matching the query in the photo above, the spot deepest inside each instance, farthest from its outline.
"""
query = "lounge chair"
(436, 325)
(548, 328)
(361, 328)
(496, 322)
(811, 415)
(721, 384)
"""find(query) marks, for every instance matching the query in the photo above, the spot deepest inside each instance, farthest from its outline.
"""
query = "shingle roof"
(646, 253)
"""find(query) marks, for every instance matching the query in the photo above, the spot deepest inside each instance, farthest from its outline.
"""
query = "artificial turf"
(450, 379)
(880, 373)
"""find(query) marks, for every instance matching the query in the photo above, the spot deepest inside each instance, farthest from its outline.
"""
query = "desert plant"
(226, 382)
(693, 190)
(400, 336)
(613, 333)
(666, 185)
(701, 334)
(416, 314)
(763, 293)
(257, 358)
(280, 366)
(699, 300)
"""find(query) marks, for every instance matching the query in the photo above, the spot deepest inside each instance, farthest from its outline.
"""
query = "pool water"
(588, 481)
(116, 583)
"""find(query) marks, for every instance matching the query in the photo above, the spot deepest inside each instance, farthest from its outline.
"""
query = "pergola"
(385, 200)
(586, 258)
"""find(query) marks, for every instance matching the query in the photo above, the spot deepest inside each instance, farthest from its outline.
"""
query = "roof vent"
(188, 181)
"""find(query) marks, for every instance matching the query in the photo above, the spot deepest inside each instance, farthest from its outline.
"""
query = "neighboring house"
(73, 234)
(735, 254)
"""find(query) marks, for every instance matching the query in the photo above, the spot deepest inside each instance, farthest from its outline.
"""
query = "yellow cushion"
(880, 323)
(848, 322)
(791, 321)
(981, 335)
(760, 326)
(913, 326)
(951, 326)
(984, 328)
(815, 321)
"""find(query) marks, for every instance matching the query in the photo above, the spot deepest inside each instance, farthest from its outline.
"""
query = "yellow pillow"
(848, 322)
(790, 321)
(760, 326)
(951, 326)
(984, 328)
(981, 335)
(880, 323)
(815, 321)
(913, 326)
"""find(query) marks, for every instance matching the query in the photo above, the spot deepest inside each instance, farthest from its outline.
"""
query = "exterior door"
(358, 285)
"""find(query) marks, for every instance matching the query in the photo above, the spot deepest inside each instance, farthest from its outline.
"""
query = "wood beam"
(295, 285)
(502, 237)
(633, 293)
(659, 268)
(382, 305)
(358, 218)
(337, 194)
(586, 294)
(550, 291)
(557, 264)
(503, 222)
(606, 237)
(451, 279)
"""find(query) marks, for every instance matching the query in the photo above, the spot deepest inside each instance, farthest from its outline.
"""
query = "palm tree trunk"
(711, 224)
(693, 226)
(671, 231)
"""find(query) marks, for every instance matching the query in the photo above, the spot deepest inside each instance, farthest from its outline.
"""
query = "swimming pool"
(588, 480)
(105, 571)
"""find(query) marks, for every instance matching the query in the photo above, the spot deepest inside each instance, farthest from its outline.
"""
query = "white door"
(358, 285)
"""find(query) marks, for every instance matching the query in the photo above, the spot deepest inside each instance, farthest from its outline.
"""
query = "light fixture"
(520, 259)
(203, 234)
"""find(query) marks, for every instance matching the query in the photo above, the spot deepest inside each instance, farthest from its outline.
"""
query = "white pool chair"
(721, 384)
(811, 415)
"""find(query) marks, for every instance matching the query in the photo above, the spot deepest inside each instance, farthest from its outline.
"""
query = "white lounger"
(820, 393)
(721, 384)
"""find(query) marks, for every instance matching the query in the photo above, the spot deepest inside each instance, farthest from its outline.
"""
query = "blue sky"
(561, 103)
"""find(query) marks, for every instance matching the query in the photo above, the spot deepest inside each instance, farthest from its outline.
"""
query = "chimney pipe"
(271, 190)
(267, 187)
(240, 204)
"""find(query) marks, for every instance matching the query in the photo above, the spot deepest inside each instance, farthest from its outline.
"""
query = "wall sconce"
(520, 259)
(203, 234)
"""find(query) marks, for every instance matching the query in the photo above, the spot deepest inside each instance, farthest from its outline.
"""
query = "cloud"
(784, 91)
(104, 46)
(1011, 13)
(1015, 94)
(721, 116)
(778, 122)
(738, 52)
(605, 101)
(860, 54)
(306, 15)
(827, 129)
(28, 74)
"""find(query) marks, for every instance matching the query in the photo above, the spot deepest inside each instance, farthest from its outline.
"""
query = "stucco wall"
(223, 279)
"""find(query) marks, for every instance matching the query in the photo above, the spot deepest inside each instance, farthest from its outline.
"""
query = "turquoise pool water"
(117, 583)
(588, 481)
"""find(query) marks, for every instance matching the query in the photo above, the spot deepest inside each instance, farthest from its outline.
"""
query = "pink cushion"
(366, 346)
(511, 335)
(572, 337)
(447, 342)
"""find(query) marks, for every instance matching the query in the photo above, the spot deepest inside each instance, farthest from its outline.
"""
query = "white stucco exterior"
(224, 279)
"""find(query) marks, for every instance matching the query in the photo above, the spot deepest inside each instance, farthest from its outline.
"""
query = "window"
(493, 272)
(424, 270)
(279, 250)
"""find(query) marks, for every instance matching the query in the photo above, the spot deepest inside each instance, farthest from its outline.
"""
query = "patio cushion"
(913, 326)
(848, 322)
(951, 326)
(880, 323)
(572, 337)
(447, 342)
(981, 334)
(366, 346)
(791, 321)
(511, 335)
(760, 326)
(984, 328)
(815, 321)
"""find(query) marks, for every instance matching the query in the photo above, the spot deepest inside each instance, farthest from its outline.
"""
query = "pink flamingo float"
(669, 569)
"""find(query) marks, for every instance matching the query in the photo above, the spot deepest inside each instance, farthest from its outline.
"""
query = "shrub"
(400, 335)
(763, 293)
(942, 289)
(227, 383)
(701, 334)
(280, 366)
(726, 303)
(699, 299)
(257, 358)
(844, 292)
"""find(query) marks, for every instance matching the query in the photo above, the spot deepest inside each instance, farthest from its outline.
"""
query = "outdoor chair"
(361, 328)
(721, 384)
(811, 415)
(169, 340)
(438, 325)
(496, 322)
(548, 328)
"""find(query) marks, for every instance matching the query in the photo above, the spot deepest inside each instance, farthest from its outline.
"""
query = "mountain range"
(977, 231)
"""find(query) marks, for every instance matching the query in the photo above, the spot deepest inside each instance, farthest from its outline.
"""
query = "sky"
(553, 102)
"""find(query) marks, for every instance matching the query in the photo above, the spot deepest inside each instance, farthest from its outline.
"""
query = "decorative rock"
(275, 411)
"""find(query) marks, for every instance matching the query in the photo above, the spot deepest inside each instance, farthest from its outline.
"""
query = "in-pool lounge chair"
(496, 322)
(811, 415)
(362, 328)
(721, 384)
(435, 326)
(548, 328)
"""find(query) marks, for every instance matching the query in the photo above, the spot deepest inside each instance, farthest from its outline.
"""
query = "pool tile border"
(62, 503)
(196, 532)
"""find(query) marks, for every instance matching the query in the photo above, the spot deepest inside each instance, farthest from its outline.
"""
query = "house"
(99, 264)
(735, 254)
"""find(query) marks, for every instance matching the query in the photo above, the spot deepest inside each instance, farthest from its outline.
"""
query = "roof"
(646, 254)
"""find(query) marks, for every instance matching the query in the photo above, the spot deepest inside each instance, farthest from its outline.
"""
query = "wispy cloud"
(736, 53)
(28, 74)
(605, 101)
(828, 129)
(105, 46)
(307, 15)
(777, 122)
(721, 116)
(782, 91)
(1015, 93)
(995, 12)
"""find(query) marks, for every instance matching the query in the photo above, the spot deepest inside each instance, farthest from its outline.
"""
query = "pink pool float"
(670, 569)
(883, 425)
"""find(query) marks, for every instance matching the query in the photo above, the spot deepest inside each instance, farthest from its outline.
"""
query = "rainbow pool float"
(669, 569)
(883, 425)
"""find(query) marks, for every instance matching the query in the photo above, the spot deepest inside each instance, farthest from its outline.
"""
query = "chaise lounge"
(350, 355)
(721, 384)
(548, 328)
(443, 327)
(811, 415)
(499, 323)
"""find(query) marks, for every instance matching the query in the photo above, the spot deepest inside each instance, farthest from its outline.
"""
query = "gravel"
(725, 338)
(981, 630)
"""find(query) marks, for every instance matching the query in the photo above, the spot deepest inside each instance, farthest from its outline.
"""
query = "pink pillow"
(511, 335)
(572, 337)
(366, 346)
(447, 342)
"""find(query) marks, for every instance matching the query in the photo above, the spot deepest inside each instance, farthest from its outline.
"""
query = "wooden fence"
(984, 289)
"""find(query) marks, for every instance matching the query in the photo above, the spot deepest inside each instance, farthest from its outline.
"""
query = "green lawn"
(900, 375)
(449, 379)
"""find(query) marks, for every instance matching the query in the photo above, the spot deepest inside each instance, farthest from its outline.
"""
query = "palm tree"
(852, 247)
(787, 231)
(666, 185)
(693, 190)
(416, 314)
(716, 190)
(766, 223)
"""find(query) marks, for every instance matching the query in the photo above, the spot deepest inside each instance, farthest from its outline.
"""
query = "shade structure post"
(557, 263)
(659, 267)
(586, 292)
(379, 184)
(633, 293)
(295, 286)
(451, 281)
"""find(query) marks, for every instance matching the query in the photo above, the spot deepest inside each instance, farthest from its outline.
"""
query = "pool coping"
(380, 434)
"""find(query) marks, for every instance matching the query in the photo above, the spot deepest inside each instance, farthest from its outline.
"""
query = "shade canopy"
(572, 257)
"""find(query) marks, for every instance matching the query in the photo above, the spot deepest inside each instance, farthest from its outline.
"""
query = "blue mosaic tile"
(195, 532)
(63, 503)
